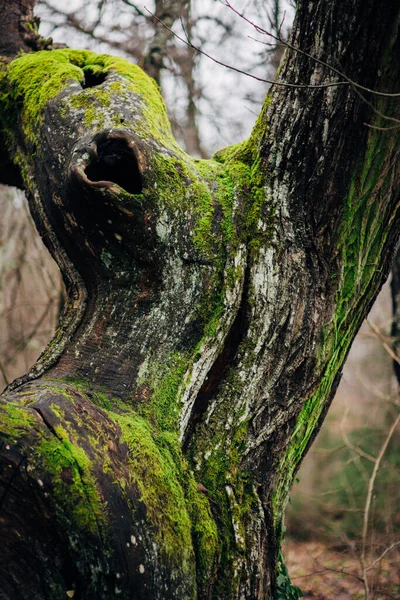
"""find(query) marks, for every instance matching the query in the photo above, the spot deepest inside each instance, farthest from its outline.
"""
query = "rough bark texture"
(150, 451)
(17, 27)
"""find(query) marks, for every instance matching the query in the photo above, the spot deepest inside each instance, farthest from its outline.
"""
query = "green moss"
(78, 501)
(117, 88)
(205, 188)
(34, 79)
(179, 513)
(15, 421)
(59, 390)
(180, 516)
(213, 243)
(223, 201)
(204, 530)
(360, 246)
(92, 102)
(155, 473)
(244, 165)
(58, 411)
(164, 381)
(98, 396)
(176, 507)
(212, 313)
(217, 460)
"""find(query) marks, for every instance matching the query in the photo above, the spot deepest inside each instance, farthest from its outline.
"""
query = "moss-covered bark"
(150, 450)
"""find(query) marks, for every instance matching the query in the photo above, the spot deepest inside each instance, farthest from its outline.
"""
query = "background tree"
(238, 289)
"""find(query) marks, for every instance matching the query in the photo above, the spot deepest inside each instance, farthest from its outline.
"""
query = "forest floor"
(324, 573)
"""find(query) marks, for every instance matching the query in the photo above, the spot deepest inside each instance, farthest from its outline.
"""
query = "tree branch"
(279, 39)
(232, 68)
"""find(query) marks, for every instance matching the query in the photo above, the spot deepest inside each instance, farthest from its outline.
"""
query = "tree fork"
(211, 304)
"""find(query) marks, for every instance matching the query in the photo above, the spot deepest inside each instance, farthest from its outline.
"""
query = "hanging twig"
(246, 73)
(314, 58)
(382, 556)
(378, 334)
(367, 506)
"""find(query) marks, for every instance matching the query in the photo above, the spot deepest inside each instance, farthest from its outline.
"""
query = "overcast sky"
(229, 110)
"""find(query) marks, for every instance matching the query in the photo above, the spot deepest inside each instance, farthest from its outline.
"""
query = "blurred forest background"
(343, 519)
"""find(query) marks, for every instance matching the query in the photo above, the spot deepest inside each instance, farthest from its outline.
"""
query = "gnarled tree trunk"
(211, 304)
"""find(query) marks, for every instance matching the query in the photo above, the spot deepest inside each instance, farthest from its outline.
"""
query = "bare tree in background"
(31, 290)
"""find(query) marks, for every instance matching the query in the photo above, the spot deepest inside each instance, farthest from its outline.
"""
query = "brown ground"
(324, 573)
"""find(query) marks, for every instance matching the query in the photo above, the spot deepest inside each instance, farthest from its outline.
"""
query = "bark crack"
(221, 366)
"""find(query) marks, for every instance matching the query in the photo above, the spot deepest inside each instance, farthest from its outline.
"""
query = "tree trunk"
(211, 304)
(166, 13)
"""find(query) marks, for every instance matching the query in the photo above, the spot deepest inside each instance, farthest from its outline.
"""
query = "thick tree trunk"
(150, 451)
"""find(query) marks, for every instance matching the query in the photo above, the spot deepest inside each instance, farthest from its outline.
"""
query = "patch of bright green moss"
(58, 411)
(162, 408)
(179, 513)
(34, 79)
(15, 421)
(204, 530)
(159, 471)
(73, 482)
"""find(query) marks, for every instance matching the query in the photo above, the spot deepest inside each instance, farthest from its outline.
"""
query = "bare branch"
(382, 556)
(368, 500)
(314, 58)
(139, 12)
(232, 68)
(378, 334)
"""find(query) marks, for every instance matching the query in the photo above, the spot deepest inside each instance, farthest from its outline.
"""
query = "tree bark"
(150, 451)
(18, 27)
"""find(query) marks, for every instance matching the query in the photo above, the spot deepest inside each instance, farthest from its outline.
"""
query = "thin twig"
(377, 560)
(368, 500)
(314, 58)
(352, 446)
(363, 98)
(246, 73)
(4, 374)
(388, 349)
